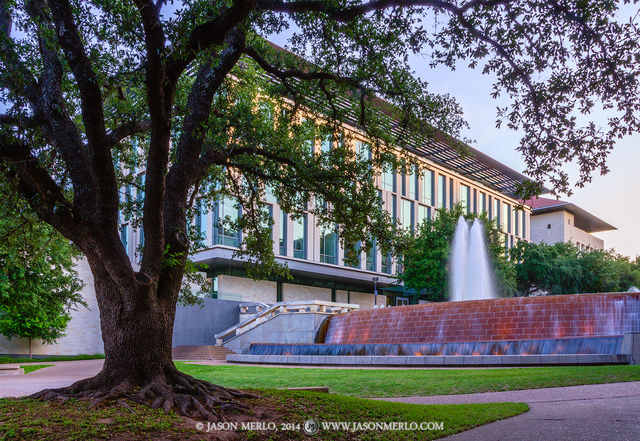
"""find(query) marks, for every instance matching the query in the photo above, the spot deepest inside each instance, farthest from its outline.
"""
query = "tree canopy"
(562, 268)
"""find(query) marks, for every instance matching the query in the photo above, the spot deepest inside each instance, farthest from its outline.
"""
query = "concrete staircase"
(200, 352)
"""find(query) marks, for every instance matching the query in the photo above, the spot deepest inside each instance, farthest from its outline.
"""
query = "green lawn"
(28, 420)
(408, 382)
(28, 368)
(5, 360)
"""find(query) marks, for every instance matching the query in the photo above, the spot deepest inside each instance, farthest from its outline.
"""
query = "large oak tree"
(191, 92)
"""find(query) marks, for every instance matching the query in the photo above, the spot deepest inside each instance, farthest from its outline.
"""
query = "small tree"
(426, 254)
(38, 283)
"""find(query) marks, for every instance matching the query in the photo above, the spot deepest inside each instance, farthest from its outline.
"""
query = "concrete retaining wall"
(283, 328)
(197, 325)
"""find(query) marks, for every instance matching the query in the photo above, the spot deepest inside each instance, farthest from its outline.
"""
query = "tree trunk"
(137, 331)
(30, 354)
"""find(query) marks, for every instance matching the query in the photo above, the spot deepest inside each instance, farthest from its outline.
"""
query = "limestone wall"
(292, 292)
(246, 290)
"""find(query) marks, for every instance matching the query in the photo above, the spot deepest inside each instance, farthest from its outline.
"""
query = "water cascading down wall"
(567, 324)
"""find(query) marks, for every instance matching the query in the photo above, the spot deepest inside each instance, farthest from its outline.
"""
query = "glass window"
(450, 193)
(407, 214)
(524, 225)
(201, 221)
(427, 187)
(394, 209)
(371, 257)
(352, 251)
(442, 191)
(282, 234)
(124, 237)
(140, 196)
(496, 211)
(300, 238)
(475, 201)
(328, 245)
(266, 110)
(483, 203)
(128, 199)
(386, 264)
(325, 143)
(363, 150)
(516, 222)
(424, 213)
(269, 195)
(413, 183)
(388, 180)
(227, 213)
(505, 218)
(464, 197)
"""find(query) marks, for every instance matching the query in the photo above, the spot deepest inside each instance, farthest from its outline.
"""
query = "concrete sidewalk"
(591, 412)
(62, 373)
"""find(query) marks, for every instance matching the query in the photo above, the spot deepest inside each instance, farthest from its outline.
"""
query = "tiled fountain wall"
(522, 318)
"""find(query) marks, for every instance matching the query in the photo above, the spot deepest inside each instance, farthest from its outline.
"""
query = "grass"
(73, 420)
(5, 360)
(411, 382)
(28, 368)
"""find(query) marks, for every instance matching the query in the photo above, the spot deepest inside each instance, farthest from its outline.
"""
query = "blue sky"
(612, 197)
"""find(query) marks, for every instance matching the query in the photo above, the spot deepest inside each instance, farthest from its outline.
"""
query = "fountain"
(564, 329)
(470, 275)
(475, 328)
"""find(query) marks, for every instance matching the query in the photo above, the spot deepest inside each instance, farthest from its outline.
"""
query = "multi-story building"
(313, 254)
(555, 221)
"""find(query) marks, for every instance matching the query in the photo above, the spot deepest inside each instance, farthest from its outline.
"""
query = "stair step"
(201, 352)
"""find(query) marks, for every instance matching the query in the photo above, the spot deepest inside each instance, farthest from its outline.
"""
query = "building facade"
(554, 221)
(313, 254)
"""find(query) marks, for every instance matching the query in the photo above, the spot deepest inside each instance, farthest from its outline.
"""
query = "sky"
(613, 197)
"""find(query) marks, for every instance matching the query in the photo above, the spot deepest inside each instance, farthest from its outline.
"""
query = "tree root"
(185, 395)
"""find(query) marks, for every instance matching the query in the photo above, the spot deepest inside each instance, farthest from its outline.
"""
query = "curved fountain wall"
(522, 318)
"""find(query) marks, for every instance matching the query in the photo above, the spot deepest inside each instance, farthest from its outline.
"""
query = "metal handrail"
(299, 307)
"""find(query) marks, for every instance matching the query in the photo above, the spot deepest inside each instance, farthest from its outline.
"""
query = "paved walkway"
(62, 373)
(592, 412)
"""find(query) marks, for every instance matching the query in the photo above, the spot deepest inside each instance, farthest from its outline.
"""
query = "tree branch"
(27, 122)
(159, 101)
(208, 34)
(351, 12)
(88, 85)
(38, 187)
(130, 128)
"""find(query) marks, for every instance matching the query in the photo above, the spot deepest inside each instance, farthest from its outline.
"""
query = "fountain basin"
(590, 345)
(519, 318)
(552, 330)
